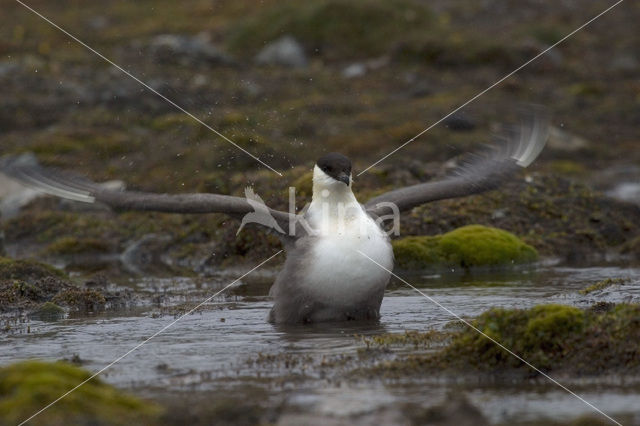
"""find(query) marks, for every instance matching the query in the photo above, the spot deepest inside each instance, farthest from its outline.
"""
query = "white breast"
(341, 276)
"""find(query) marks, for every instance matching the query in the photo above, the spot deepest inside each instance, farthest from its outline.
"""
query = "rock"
(359, 69)
(145, 252)
(98, 23)
(626, 63)
(185, 50)
(8, 67)
(285, 51)
(551, 337)
(354, 70)
(27, 385)
(626, 191)
(564, 141)
(466, 247)
(48, 311)
(621, 182)
(459, 122)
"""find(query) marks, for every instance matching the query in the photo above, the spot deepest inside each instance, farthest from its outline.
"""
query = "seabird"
(326, 275)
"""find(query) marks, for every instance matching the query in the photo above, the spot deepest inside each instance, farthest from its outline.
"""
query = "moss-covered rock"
(28, 386)
(72, 245)
(557, 216)
(538, 335)
(23, 269)
(81, 299)
(48, 311)
(551, 337)
(27, 284)
(469, 246)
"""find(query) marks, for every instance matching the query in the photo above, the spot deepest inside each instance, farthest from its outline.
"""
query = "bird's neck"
(333, 207)
(327, 190)
(332, 194)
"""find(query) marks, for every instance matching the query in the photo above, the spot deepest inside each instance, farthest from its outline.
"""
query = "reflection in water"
(228, 344)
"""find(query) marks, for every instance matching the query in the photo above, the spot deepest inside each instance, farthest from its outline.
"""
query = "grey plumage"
(479, 172)
(295, 304)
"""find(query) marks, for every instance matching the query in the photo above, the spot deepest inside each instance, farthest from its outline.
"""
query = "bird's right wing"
(479, 173)
(25, 169)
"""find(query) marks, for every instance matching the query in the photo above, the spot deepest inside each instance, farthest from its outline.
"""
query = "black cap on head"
(335, 165)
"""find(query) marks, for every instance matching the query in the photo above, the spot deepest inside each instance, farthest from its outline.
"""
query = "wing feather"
(479, 172)
(25, 169)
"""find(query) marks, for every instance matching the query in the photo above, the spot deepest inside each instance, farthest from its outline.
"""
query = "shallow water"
(228, 345)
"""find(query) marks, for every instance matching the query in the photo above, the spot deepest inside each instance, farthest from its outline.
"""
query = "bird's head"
(332, 169)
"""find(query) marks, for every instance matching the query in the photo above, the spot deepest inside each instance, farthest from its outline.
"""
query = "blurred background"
(290, 80)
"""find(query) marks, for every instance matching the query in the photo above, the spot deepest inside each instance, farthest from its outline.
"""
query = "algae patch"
(28, 386)
(466, 247)
(604, 284)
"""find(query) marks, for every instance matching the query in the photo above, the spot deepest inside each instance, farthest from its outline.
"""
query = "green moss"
(477, 245)
(586, 89)
(72, 245)
(469, 246)
(551, 337)
(28, 386)
(27, 269)
(567, 167)
(417, 252)
(604, 284)
(335, 28)
(48, 311)
(408, 338)
(304, 185)
(537, 335)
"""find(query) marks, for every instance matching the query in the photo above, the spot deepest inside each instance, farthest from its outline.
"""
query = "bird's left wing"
(478, 173)
(25, 168)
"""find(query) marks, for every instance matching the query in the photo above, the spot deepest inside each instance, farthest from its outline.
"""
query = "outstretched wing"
(478, 173)
(255, 200)
(25, 168)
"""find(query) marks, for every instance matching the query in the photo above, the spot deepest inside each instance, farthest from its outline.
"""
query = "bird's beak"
(344, 178)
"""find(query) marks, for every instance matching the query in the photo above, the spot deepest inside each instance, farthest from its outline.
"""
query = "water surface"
(227, 345)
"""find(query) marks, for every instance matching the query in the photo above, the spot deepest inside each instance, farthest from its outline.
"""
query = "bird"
(339, 257)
